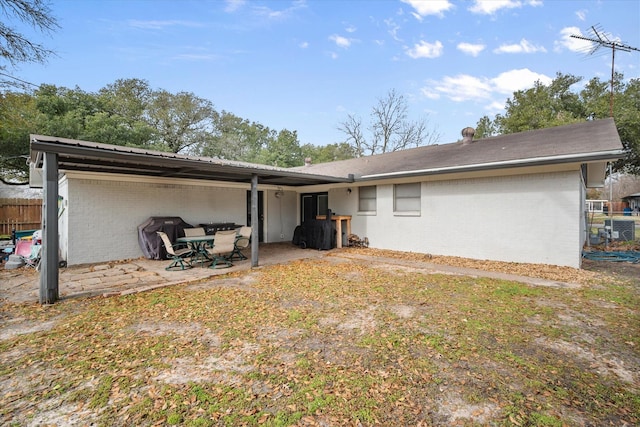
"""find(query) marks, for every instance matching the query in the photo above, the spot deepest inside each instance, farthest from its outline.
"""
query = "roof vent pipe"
(467, 135)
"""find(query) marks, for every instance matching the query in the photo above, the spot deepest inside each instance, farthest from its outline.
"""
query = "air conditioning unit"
(621, 230)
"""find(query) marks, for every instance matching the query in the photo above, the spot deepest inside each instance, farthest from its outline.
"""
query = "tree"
(63, 112)
(282, 150)
(328, 153)
(626, 113)
(390, 128)
(15, 47)
(182, 121)
(542, 106)
(17, 114)
(235, 138)
(556, 104)
(121, 119)
(352, 127)
(486, 127)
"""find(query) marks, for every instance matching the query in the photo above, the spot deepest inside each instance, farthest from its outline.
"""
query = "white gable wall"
(534, 218)
(102, 215)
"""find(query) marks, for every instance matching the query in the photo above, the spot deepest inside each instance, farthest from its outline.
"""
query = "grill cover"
(151, 243)
(315, 234)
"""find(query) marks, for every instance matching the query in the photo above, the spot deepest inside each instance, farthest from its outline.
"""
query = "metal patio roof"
(77, 155)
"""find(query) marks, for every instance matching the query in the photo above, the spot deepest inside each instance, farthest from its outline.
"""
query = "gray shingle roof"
(580, 142)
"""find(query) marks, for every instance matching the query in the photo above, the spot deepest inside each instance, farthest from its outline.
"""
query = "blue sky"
(306, 64)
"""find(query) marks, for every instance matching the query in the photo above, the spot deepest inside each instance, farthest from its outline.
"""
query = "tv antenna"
(599, 40)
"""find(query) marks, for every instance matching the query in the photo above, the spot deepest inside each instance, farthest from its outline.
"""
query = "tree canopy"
(129, 112)
(556, 104)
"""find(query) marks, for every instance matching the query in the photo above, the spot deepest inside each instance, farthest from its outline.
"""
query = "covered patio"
(55, 156)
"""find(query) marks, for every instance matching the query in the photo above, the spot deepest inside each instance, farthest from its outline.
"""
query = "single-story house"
(516, 198)
(634, 201)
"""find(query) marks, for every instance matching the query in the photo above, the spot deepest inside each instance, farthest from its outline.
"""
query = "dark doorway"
(313, 204)
(260, 213)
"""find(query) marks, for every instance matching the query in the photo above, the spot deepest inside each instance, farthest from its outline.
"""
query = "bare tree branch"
(352, 127)
(390, 130)
(14, 46)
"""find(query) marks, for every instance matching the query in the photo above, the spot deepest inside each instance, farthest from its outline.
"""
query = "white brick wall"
(528, 218)
(103, 216)
(280, 216)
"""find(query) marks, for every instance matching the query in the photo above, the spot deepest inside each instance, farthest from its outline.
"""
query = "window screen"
(367, 199)
(406, 197)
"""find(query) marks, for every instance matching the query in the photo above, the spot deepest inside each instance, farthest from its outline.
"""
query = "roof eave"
(538, 161)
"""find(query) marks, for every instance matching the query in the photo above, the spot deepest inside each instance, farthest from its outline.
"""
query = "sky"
(305, 65)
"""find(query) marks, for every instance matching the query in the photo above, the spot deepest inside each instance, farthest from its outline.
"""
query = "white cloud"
(471, 49)
(160, 25)
(490, 7)
(514, 80)
(571, 43)
(350, 29)
(523, 47)
(582, 15)
(340, 41)
(269, 13)
(494, 107)
(425, 50)
(304, 45)
(431, 7)
(233, 5)
(196, 57)
(429, 93)
(393, 29)
(464, 87)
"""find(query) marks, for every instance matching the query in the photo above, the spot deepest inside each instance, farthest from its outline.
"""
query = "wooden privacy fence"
(20, 214)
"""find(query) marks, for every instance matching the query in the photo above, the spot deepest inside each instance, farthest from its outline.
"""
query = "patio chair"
(243, 240)
(33, 260)
(194, 232)
(222, 248)
(178, 255)
(221, 232)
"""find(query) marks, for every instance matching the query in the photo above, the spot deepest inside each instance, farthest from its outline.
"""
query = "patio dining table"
(199, 246)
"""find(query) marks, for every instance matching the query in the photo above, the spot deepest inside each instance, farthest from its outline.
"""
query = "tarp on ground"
(151, 243)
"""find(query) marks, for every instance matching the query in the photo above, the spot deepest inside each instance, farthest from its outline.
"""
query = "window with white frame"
(367, 199)
(406, 198)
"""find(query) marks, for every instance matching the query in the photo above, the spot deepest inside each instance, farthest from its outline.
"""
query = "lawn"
(329, 342)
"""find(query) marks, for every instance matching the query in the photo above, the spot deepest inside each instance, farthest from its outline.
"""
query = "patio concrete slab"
(121, 278)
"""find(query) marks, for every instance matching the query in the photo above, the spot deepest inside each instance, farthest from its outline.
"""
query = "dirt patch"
(604, 364)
